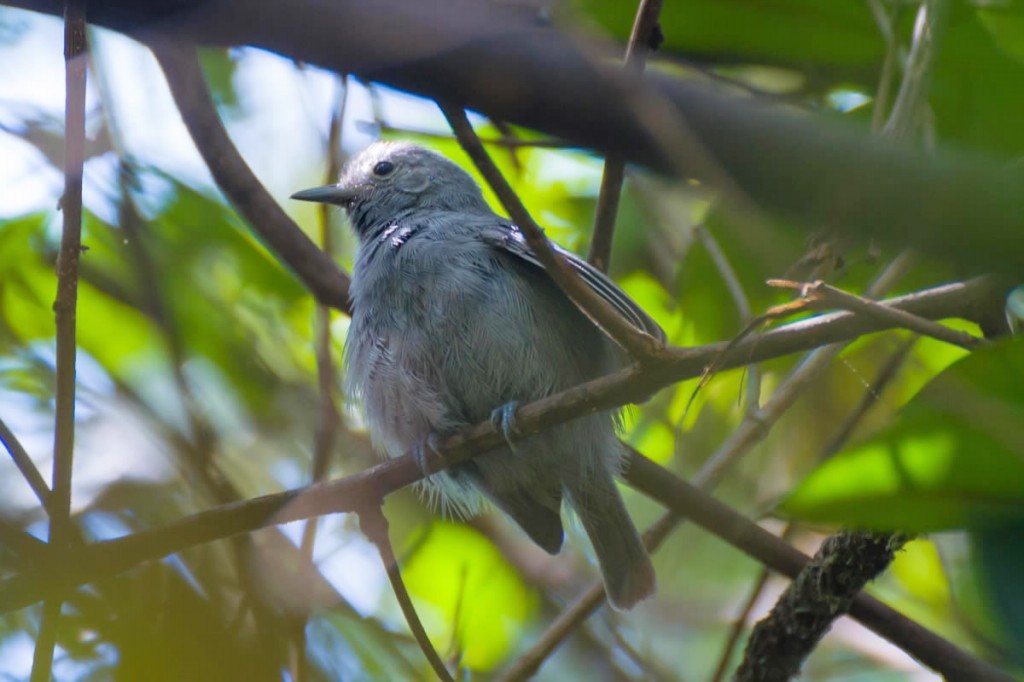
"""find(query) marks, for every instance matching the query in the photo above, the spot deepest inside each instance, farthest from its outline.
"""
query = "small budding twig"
(821, 295)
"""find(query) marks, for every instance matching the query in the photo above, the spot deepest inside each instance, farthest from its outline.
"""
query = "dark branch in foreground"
(358, 492)
(823, 591)
(955, 206)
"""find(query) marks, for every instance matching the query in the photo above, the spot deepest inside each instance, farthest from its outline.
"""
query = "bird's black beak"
(329, 194)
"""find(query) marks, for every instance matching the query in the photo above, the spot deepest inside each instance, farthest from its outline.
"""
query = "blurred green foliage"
(953, 459)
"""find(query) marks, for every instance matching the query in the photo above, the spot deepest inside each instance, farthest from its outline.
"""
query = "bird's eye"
(383, 168)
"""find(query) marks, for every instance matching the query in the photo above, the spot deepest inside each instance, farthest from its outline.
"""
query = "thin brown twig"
(25, 465)
(640, 346)
(740, 300)
(831, 296)
(375, 528)
(740, 622)
(755, 427)
(318, 273)
(568, 621)
(895, 270)
(328, 419)
(65, 310)
(645, 25)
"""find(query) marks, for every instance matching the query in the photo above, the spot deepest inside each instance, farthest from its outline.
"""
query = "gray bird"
(455, 321)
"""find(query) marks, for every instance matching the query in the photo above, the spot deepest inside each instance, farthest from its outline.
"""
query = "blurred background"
(207, 374)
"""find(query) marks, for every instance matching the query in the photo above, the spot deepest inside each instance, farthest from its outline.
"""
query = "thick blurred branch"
(823, 591)
(952, 205)
(267, 219)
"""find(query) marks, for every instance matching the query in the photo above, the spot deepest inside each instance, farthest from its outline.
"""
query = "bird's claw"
(421, 453)
(504, 419)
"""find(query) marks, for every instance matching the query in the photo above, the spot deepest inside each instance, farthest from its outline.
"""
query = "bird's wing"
(508, 238)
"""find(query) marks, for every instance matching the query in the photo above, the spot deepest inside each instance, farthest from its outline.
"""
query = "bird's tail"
(625, 565)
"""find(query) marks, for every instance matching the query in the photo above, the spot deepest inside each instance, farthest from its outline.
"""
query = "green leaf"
(954, 458)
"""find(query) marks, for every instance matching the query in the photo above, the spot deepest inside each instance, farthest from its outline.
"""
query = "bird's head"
(389, 179)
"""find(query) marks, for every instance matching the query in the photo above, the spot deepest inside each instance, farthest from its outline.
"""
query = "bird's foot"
(421, 453)
(504, 419)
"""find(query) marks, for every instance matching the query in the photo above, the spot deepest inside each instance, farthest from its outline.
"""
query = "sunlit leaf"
(471, 601)
(954, 458)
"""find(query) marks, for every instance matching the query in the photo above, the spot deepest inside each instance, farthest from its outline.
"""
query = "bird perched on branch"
(454, 322)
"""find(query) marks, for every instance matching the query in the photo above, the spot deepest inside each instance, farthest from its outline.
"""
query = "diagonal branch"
(318, 273)
(641, 39)
(832, 297)
(25, 465)
(640, 345)
(823, 591)
(375, 528)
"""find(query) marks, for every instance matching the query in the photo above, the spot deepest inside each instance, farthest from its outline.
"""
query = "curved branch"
(328, 284)
(375, 528)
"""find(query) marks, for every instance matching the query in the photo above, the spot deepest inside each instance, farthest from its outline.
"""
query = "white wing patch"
(509, 238)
